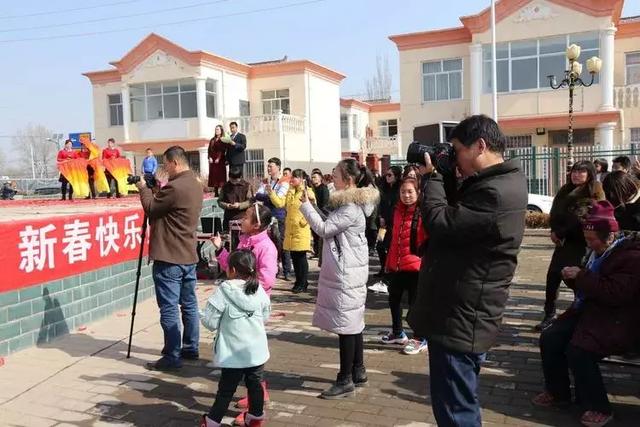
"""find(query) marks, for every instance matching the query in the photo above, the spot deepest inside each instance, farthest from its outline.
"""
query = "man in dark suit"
(235, 151)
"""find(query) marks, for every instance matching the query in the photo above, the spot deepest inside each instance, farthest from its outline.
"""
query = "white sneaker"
(415, 347)
(379, 288)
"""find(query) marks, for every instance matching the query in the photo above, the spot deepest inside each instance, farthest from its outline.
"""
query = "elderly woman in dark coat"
(603, 319)
(569, 206)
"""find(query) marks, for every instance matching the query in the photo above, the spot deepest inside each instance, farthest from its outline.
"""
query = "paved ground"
(84, 379)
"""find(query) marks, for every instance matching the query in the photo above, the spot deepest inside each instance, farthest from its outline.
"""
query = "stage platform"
(35, 209)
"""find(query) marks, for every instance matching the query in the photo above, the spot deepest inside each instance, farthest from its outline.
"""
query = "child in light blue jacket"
(238, 311)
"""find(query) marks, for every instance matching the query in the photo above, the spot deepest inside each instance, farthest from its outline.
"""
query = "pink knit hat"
(601, 218)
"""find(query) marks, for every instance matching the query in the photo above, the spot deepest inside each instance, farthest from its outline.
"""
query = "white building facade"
(160, 94)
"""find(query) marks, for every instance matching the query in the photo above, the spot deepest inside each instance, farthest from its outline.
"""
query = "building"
(370, 132)
(160, 94)
(445, 75)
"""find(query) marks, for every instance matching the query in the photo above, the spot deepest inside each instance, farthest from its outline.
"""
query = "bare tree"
(379, 87)
(36, 154)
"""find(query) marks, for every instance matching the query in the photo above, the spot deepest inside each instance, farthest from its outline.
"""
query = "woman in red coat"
(65, 154)
(403, 262)
(217, 161)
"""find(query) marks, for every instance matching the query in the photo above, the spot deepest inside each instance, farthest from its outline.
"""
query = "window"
(164, 100)
(635, 135)
(344, 126)
(115, 110)
(388, 127)
(580, 137)
(442, 80)
(525, 65)
(355, 126)
(212, 100)
(518, 141)
(633, 68)
(245, 108)
(273, 100)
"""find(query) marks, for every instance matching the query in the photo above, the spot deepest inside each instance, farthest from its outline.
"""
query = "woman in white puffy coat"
(342, 291)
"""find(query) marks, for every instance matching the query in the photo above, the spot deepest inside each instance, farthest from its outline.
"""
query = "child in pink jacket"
(255, 224)
(254, 236)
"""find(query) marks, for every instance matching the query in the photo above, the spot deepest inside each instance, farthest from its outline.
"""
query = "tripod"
(135, 294)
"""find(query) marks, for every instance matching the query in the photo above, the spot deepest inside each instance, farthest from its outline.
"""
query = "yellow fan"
(119, 168)
(75, 171)
(99, 178)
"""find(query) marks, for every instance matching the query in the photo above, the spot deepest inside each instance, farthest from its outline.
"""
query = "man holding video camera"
(475, 230)
(174, 212)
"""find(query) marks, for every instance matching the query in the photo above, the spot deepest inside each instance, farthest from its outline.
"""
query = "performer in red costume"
(86, 154)
(67, 153)
(111, 152)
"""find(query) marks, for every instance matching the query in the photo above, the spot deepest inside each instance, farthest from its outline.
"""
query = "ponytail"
(243, 261)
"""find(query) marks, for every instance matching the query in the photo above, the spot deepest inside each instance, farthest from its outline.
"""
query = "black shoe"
(299, 289)
(546, 322)
(359, 376)
(162, 364)
(341, 389)
(189, 356)
(286, 278)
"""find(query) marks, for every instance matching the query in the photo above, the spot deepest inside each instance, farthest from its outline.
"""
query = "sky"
(42, 80)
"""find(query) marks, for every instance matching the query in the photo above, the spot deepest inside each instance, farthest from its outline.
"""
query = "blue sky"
(42, 81)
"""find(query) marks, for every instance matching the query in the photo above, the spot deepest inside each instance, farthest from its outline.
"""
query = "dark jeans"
(300, 267)
(284, 256)
(570, 254)
(454, 385)
(229, 380)
(175, 285)
(383, 249)
(351, 354)
(64, 186)
(398, 283)
(372, 235)
(110, 180)
(558, 356)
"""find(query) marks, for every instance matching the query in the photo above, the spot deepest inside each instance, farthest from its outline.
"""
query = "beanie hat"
(601, 218)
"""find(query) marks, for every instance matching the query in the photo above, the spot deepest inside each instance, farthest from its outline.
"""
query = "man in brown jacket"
(174, 212)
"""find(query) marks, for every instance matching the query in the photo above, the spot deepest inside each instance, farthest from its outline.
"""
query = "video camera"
(442, 154)
(149, 179)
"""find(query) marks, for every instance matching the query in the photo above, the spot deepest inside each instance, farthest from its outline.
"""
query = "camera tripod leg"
(135, 292)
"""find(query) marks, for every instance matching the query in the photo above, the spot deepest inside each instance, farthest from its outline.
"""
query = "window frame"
(344, 126)
(442, 61)
(384, 124)
(626, 67)
(275, 99)
(208, 92)
(119, 110)
(541, 86)
(179, 92)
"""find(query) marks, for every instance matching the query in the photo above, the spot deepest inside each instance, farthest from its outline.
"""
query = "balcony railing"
(384, 145)
(268, 123)
(627, 96)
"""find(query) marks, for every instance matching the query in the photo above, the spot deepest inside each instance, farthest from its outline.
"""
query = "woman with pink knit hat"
(602, 320)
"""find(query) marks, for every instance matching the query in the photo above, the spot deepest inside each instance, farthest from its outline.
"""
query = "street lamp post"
(571, 80)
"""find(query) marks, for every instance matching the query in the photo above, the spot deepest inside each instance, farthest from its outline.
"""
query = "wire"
(56, 12)
(111, 18)
(185, 21)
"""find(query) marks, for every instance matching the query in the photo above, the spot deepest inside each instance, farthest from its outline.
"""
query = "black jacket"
(471, 257)
(322, 197)
(235, 153)
(628, 216)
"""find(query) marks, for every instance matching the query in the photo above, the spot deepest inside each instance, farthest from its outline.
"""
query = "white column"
(201, 103)
(350, 132)
(132, 160)
(605, 133)
(475, 69)
(126, 112)
(606, 74)
(280, 130)
(204, 160)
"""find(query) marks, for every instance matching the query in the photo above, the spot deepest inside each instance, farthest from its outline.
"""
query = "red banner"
(39, 251)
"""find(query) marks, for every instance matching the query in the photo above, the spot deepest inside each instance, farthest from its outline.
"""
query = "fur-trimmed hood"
(367, 198)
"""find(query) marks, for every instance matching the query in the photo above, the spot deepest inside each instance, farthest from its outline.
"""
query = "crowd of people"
(448, 240)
